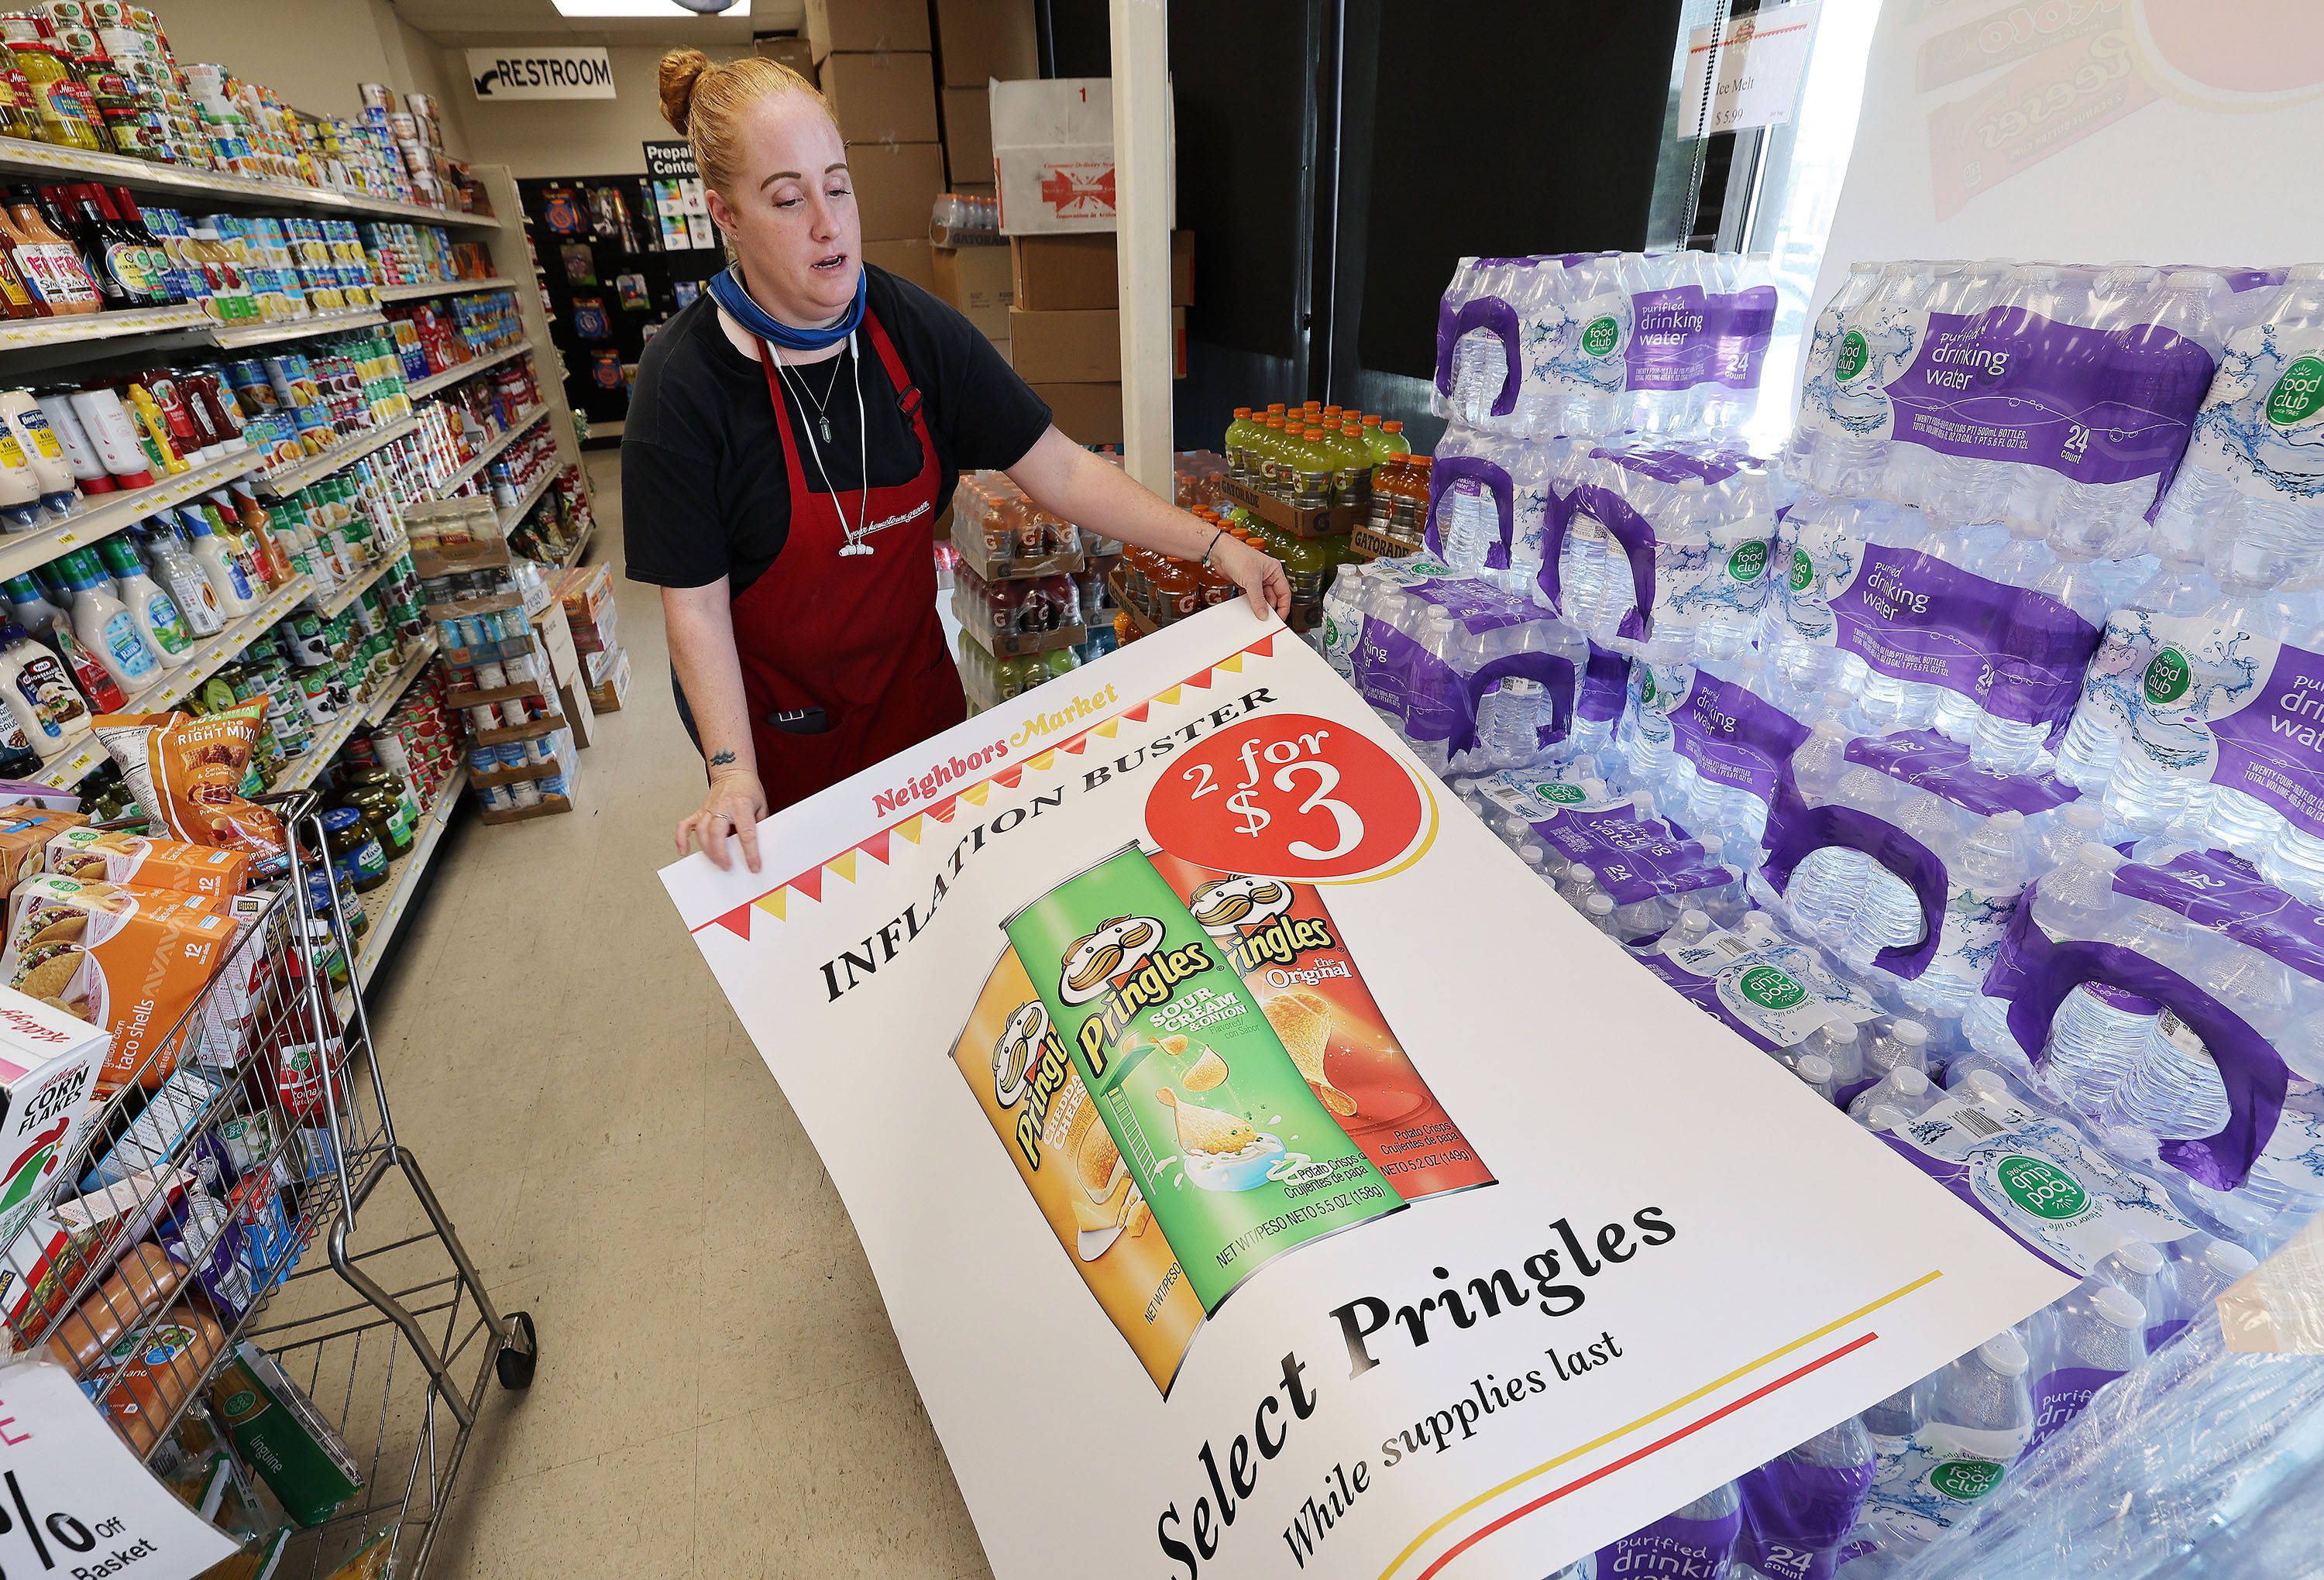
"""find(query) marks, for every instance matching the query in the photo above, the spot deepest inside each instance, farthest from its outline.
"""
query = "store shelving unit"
(46, 162)
(328, 739)
(243, 338)
(346, 453)
(106, 514)
(490, 452)
(340, 597)
(467, 370)
(526, 500)
(86, 329)
(386, 906)
(82, 752)
(438, 288)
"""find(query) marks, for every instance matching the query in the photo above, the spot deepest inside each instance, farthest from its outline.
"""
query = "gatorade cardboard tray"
(1329, 523)
(1012, 644)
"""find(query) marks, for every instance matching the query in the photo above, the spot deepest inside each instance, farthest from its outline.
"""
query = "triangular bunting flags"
(909, 829)
(773, 904)
(1137, 715)
(1168, 698)
(1073, 748)
(736, 921)
(876, 847)
(1263, 648)
(1107, 731)
(842, 864)
(808, 883)
(1200, 680)
(1040, 764)
(943, 810)
(975, 793)
(1009, 777)
(1232, 665)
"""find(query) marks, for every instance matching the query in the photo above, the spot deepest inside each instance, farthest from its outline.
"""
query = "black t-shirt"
(705, 490)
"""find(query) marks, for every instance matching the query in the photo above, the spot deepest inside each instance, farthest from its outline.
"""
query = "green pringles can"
(1235, 1155)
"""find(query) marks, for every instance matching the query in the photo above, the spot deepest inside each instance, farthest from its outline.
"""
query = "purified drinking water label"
(1672, 1546)
(2061, 1395)
(1777, 995)
(1735, 738)
(1934, 1485)
(2018, 655)
(1795, 1516)
(2199, 699)
(2225, 893)
(1671, 340)
(2263, 426)
(2038, 1179)
(2095, 405)
(1925, 759)
(1605, 684)
(1634, 859)
(1743, 327)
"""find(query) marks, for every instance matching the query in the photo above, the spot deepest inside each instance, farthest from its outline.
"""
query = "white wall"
(571, 137)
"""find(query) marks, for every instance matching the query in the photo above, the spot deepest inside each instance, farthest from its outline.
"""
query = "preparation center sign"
(1267, 1174)
(550, 73)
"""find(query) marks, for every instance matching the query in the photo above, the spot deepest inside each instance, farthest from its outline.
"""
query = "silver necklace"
(822, 420)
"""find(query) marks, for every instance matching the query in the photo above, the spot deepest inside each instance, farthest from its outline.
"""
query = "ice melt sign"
(555, 73)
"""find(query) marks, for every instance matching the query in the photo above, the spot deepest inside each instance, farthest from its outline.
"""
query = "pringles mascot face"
(1116, 949)
(1233, 903)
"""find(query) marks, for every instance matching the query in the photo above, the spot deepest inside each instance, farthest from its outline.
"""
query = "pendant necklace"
(823, 421)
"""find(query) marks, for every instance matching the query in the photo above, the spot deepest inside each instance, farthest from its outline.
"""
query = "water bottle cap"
(2138, 1257)
(2082, 814)
(2103, 857)
(1842, 1032)
(2118, 1307)
(2188, 279)
(1599, 905)
(1913, 1034)
(1581, 874)
(1530, 853)
(2228, 1260)
(1695, 918)
(2004, 1354)
(1814, 1069)
(2007, 818)
(1908, 1080)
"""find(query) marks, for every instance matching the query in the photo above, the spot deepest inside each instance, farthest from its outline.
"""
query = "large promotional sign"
(1267, 1174)
(2084, 129)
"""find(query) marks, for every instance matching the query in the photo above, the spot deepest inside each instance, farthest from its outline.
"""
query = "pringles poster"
(1311, 1191)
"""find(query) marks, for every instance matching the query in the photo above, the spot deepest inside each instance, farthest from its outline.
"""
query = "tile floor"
(719, 1392)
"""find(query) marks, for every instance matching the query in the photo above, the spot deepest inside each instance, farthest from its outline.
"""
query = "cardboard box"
(1079, 348)
(980, 282)
(907, 260)
(1053, 155)
(968, 134)
(1062, 274)
(49, 1062)
(1087, 414)
(882, 98)
(867, 25)
(797, 53)
(586, 591)
(980, 39)
(897, 185)
(608, 694)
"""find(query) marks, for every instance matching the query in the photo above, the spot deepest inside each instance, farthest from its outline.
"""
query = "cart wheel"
(516, 1360)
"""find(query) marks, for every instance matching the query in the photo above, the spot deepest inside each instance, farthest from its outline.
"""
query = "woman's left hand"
(1259, 574)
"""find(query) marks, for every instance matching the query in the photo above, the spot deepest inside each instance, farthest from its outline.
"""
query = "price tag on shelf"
(75, 1501)
(1292, 795)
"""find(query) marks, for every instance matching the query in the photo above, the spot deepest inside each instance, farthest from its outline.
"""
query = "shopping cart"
(260, 1126)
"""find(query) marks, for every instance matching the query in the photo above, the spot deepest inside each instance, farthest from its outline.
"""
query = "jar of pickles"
(357, 855)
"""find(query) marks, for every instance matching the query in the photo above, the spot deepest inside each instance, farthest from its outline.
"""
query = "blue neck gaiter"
(726, 291)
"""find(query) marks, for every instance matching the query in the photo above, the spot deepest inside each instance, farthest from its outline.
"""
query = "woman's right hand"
(733, 804)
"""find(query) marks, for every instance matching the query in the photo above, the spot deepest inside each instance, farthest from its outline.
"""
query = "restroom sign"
(548, 73)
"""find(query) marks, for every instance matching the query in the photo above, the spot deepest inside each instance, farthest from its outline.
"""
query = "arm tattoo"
(720, 758)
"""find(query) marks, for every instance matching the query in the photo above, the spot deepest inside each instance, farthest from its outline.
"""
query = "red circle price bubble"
(1289, 795)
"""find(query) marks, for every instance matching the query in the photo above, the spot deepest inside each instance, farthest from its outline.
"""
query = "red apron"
(844, 658)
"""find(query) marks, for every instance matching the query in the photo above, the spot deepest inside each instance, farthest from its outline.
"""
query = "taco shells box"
(112, 856)
(25, 835)
(1023, 1080)
(130, 961)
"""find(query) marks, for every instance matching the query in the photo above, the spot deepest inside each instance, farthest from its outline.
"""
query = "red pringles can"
(1281, 940)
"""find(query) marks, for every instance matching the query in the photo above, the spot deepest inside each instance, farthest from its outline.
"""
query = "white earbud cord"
(857, 534)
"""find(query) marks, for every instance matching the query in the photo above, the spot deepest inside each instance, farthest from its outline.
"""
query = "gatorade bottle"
(1355, 476)
(1238, 445)
(1411, 516)
(1315, 467)
(1269, 456)
(1391, 440)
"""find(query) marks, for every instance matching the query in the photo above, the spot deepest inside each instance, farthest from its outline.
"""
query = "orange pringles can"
(1282, 942)
(1022, 1077)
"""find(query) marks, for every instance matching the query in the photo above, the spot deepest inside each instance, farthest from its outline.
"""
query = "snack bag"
(25, 835)
(112, 856)
(184, 772)
(157, 1370)
(130, 961)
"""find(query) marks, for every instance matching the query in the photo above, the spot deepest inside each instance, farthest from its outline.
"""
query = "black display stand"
(611, 255)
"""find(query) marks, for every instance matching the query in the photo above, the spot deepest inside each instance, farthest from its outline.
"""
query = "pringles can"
(1233, 1152)
(1281, 940)
(1010, 1055)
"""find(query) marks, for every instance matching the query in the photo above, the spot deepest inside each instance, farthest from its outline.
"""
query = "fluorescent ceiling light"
(665, 8)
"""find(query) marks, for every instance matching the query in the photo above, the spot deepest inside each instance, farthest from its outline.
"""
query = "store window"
(1772, 191)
